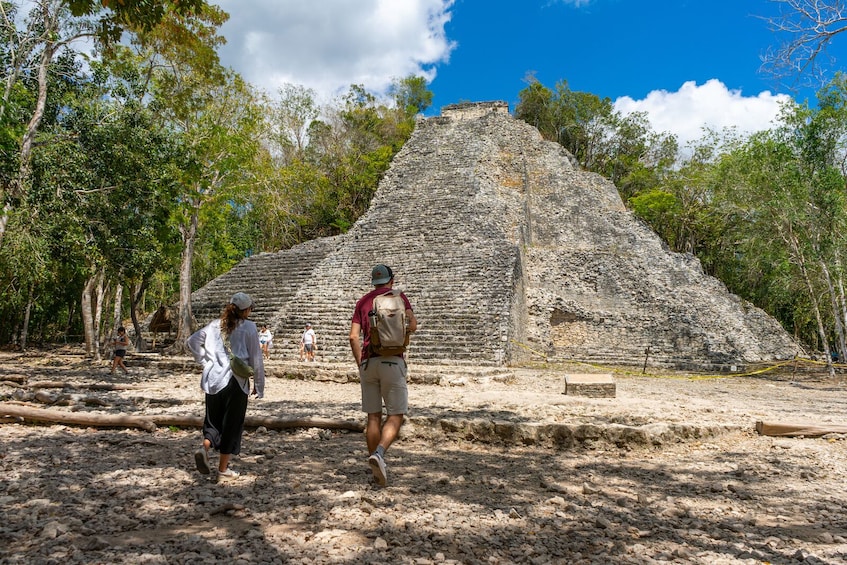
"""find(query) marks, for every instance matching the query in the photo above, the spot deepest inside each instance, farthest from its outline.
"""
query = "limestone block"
(593, 385)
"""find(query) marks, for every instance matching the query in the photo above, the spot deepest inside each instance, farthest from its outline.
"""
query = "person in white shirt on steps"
(309, 342)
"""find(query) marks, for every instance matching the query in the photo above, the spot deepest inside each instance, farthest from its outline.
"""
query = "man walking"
(383, 377)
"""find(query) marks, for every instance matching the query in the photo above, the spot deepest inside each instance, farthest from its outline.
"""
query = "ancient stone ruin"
(509, 254)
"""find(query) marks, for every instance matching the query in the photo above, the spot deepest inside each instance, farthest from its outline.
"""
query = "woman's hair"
(230, 318)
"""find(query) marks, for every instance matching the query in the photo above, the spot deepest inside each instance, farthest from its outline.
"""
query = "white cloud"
(327, 45)
(692, 108)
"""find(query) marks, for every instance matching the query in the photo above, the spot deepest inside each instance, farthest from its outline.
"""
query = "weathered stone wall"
(474, 110)
(508, 253)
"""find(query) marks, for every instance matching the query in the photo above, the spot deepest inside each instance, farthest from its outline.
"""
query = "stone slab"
(601, 385)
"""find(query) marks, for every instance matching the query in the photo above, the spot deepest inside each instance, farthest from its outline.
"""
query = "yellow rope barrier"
(797, 362)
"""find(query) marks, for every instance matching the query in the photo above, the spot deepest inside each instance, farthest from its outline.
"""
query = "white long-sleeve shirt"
(207, 345)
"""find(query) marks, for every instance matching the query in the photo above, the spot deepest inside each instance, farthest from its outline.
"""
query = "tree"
(411, 95)
(115, 16)
(785, 205)
(352, 148)
(289, 121)
(219, 138)
(621, 147)
(535, 108)
(676, 197)
(106, 171)
(809, 27)
(52, 26)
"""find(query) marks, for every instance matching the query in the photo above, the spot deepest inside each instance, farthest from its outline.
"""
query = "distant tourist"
(309, 343)
(120, 343)
(382, 372)
(226, 393)
(266, 338)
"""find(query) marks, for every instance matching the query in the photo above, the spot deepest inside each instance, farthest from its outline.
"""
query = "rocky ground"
(494, 467)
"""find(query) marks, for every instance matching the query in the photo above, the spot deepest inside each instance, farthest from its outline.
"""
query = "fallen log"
(797, 430)
(12, 384)
(150, 423)
(18, 379)
(94, 386)
(268, 422)
(76, 418)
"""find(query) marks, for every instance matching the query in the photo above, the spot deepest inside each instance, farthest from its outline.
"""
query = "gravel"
(669, 470)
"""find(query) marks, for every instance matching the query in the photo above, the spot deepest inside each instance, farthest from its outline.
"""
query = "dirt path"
(716, 493)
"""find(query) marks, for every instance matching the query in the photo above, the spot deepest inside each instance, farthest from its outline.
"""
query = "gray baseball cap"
(242, 300)
(381, 275)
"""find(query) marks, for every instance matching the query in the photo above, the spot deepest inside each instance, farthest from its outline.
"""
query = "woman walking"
(227, 393)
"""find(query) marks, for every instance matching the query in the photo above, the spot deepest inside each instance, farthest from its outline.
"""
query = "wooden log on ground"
(94, 386)
(268, 422)
(76, 418)
(150, 423)
(18, 379)
(796, 430)
(12, 384)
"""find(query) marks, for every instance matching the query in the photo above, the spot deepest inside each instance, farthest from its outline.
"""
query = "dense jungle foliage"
(133, 178)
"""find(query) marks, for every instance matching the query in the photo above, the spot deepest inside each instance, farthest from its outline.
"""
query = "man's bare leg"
(373, 432)
(379, 437)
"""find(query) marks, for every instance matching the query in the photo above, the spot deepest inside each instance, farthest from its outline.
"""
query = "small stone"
(589, 489)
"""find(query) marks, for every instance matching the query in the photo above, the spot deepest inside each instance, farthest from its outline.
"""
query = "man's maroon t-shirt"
(360, 315)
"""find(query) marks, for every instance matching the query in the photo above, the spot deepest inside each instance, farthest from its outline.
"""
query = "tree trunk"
(116, 313)
(77, 418)
(88, 316)
(785, 429)
(150, 423)
(4, 219)
(801, 263)
(69, 385)
(25, 329)
(842, 312)
(134, 299)
(71, 312)
(186, 323)
(98, 313)
(833, 298)
(110, 326)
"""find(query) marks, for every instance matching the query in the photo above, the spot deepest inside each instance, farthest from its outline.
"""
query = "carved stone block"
(592, 385)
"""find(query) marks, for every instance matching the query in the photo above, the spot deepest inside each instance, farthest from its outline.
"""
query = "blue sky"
(687, 63)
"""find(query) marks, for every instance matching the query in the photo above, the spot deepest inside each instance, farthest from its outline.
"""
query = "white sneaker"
(379, 469)
(229, 473)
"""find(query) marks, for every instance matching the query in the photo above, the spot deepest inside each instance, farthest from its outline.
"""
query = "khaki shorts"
(384, 379)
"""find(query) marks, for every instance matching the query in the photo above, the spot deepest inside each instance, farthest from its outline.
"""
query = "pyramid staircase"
(508, 253)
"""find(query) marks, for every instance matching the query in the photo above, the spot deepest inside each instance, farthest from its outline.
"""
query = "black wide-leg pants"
(223, 425)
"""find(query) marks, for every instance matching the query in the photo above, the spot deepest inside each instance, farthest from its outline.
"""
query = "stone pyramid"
(509, 254)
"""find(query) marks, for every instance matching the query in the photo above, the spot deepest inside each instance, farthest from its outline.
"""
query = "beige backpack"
(388, 333)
